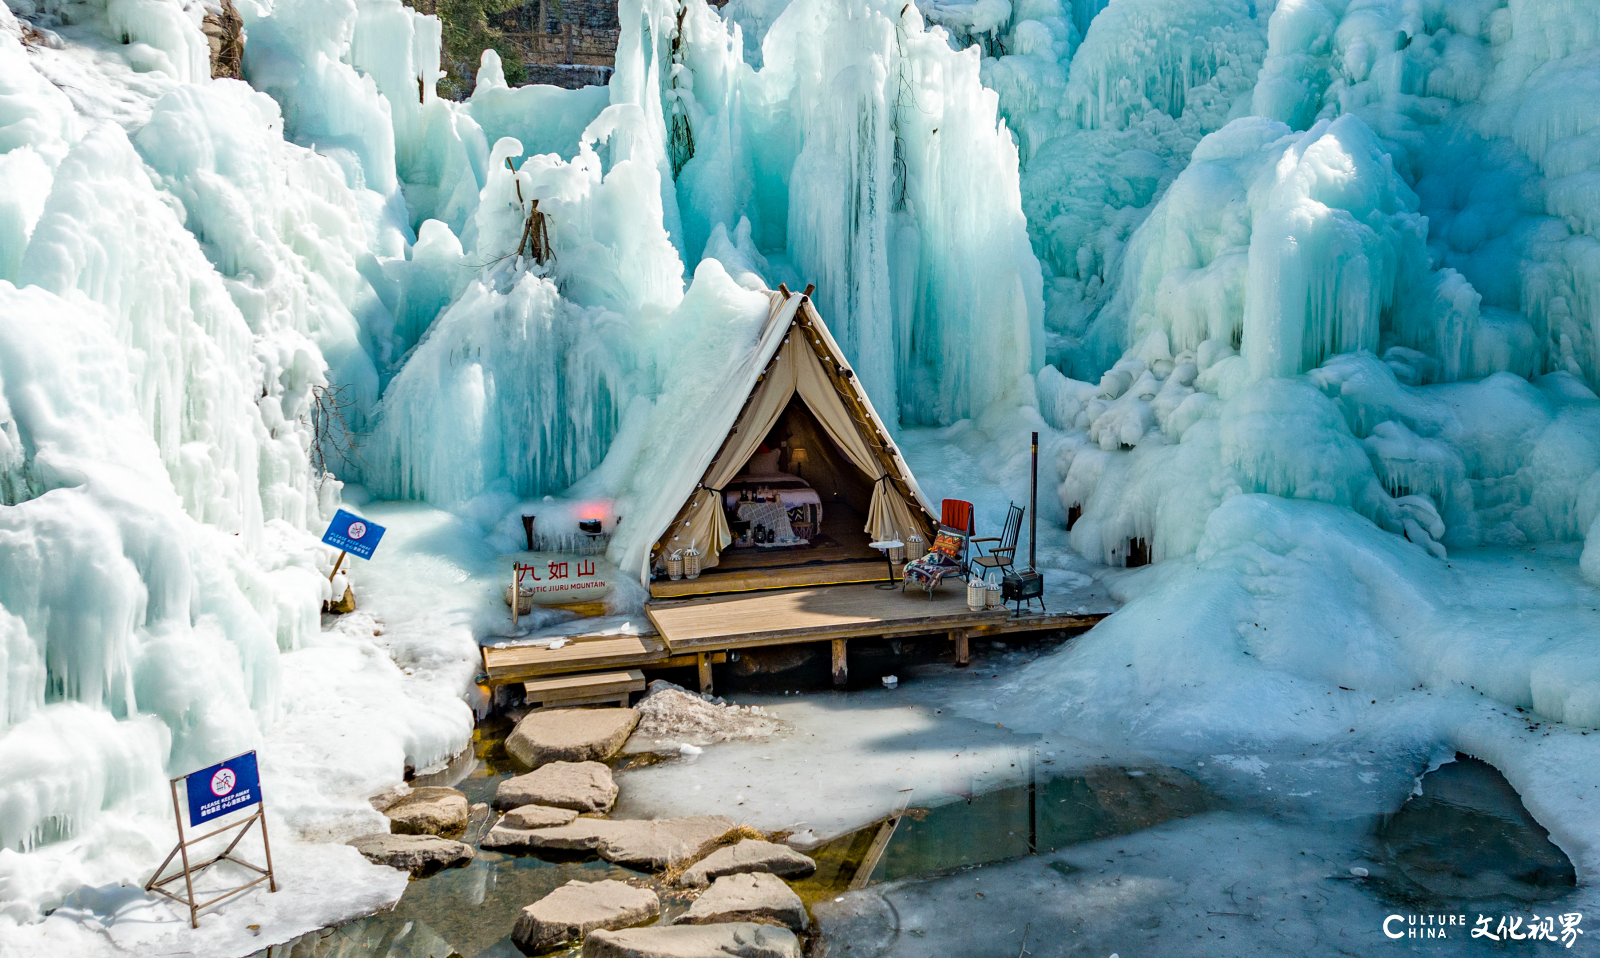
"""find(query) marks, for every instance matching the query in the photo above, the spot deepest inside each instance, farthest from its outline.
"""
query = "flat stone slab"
(580, 786)
(750, 855)
(639, 843)
(581, 835)
(738, 940)
(430, 811)
(570, 735)
(752, 897)
(537, 816)
(578, 907)
(665, 843)
(421, 855)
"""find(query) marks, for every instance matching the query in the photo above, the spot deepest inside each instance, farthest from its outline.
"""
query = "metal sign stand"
(189, 871)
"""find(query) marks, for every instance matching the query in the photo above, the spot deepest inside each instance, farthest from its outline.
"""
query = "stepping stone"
(578, 907)
(750, 855)
(421, 855)
(582, 835)
(580, 786)
(754, 897)
(666, 843)
(738, 940)
(570, 735)
(645, 844)
(537, 816)
(430, 811)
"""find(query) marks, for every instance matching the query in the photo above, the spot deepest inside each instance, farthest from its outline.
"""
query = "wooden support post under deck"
(841, 674)
(963, 657)
(703, 660)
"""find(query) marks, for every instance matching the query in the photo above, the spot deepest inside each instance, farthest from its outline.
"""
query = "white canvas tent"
(796, 356)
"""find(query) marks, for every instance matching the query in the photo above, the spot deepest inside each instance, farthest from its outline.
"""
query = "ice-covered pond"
(1006, 834)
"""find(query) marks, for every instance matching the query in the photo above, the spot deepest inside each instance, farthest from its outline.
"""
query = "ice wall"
(1400, 220)
(866, 149)
(1108, 127)
(925, 274)
(179, 289)
(522, 381)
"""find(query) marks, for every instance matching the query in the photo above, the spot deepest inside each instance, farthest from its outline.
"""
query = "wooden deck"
(513, 664)
(826, 613)
(701, 630)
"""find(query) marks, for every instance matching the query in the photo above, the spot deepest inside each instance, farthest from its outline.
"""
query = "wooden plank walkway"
(585, 653)
(828, 613)
(589, 688)
(519, 663)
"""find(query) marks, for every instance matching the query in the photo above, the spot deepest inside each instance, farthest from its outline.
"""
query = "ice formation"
(1301, 293)
(219, 296)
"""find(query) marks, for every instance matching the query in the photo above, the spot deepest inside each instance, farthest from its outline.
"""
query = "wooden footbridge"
(701, 630)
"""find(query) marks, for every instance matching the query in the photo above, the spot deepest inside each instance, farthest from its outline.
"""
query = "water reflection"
(1468, 838)
(466, 912)
(1049, 812)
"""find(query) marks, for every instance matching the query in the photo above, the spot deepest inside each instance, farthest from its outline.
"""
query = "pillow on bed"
(763, 463)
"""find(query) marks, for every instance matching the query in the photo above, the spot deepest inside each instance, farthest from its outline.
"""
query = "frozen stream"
(1133, 859)
(1141, 848)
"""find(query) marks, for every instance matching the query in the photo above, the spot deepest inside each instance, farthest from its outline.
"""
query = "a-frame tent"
(797, 357)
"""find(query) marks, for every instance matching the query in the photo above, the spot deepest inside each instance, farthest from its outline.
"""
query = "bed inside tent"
(801, 484)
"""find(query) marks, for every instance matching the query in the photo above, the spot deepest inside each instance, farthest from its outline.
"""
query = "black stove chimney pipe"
(1033, 507)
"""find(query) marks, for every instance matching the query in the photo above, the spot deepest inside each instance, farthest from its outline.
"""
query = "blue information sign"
(353, 534)
(223, 788)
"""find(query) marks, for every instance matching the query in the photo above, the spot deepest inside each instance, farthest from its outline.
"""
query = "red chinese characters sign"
(547, 578)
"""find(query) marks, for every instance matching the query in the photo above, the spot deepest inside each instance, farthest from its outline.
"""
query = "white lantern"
(916, 547)
(977, 595)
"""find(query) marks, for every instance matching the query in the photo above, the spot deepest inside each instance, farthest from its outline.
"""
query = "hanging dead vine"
(903, 92)
(535, 242)
(333, 442)
(680, 137)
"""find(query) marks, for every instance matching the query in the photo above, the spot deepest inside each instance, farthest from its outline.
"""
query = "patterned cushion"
(947, 543)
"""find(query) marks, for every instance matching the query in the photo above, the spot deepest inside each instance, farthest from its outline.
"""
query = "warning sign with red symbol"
(223, 788)
(353, 534)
